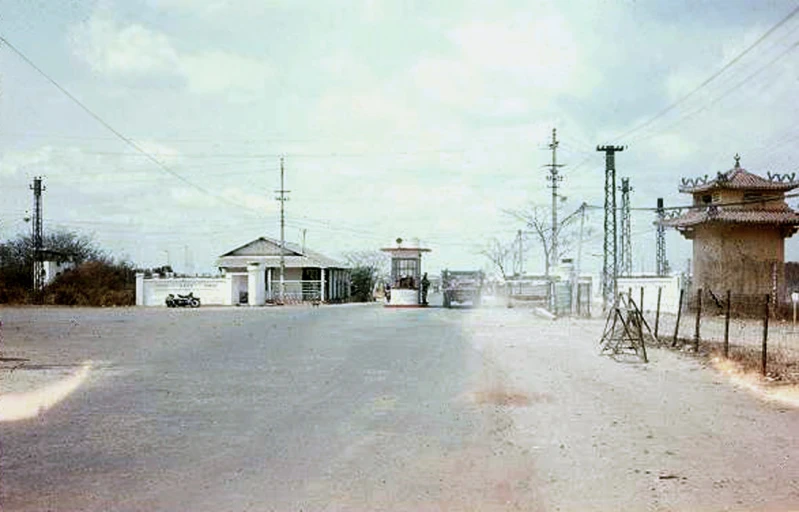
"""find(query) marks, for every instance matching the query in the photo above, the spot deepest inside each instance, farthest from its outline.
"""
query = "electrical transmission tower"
(661, 264)
(554, 178)
(282, 198)
(38, 237)
(610, 264)
(626, 257)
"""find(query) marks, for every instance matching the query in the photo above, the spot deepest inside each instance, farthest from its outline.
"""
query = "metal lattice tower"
(626, 257)
(38, 237)
(610, 245)
(662, 266)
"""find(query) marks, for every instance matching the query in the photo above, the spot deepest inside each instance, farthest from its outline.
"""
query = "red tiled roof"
(737, 178)
(782, 216)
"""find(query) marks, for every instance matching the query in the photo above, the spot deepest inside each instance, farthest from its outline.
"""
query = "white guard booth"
(406, 276)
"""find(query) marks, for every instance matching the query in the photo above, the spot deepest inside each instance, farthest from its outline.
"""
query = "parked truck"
(462, 287)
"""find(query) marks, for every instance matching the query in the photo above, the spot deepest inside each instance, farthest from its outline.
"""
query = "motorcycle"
(182, 301)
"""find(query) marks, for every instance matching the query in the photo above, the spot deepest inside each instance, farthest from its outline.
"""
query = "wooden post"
(641, 334)
(698, 318)
(679, 314)
(657, 314)
(641, 302)
(727, 326)
(764, 354)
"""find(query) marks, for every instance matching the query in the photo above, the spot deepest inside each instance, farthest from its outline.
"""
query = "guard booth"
(406, 276)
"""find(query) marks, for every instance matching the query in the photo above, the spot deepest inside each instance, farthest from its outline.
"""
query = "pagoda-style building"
(738, 223)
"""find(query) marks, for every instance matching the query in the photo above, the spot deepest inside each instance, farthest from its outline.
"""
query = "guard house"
(254, 269)
(738, 225)
(406, 275)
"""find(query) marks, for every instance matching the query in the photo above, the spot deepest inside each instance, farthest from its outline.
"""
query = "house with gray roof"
(254, 270)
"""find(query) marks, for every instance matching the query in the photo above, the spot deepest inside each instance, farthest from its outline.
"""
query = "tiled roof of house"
(781, 216)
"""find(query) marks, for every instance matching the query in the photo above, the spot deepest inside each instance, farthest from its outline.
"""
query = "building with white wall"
(308, 275)
(251, 276)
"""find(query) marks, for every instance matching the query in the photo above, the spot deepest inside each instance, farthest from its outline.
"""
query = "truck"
(461, 287)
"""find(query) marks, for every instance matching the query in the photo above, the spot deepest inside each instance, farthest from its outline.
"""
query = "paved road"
(363, 408)
(242, 410)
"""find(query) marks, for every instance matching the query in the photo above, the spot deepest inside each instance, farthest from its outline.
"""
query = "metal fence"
(745, 328)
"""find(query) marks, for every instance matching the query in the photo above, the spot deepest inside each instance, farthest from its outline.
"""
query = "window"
(405, 271)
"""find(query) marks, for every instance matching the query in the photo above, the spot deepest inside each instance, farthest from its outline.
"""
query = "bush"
(95, 283)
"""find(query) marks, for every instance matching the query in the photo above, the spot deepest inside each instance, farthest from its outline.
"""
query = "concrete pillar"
(322, 286)
(140, 288)
(334, 280)
(269, 283)
(256, 289)
(230, 295)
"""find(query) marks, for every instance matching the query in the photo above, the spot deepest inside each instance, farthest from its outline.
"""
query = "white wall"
(210, 290)
(670, 294)
(53, 269)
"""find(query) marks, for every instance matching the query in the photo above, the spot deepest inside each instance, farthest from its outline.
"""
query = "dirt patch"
(508, 398)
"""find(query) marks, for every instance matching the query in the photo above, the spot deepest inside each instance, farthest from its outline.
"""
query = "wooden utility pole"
(282, 198)
(554, 178)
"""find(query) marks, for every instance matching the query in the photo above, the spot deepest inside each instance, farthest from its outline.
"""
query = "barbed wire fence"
(749, 329)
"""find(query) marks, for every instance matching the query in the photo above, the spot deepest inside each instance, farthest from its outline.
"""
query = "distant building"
(252, 277)
(738, 226)
(309, 275)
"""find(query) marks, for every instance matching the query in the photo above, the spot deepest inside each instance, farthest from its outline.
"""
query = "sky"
(159, 126)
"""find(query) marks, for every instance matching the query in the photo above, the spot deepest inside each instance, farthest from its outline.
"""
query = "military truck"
(461, 287)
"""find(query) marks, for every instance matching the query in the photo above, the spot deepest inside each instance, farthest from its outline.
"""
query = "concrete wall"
(669, 296)
(738, 258)
(210, 290)
(53, 269)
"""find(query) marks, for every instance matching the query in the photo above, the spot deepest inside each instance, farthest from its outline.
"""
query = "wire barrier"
(750, 329)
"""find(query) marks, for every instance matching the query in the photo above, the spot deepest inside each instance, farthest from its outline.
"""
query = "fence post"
(641, 334)
(657, 315)
(698, 318)
(727, 326)
(764, 354)
(679, 314)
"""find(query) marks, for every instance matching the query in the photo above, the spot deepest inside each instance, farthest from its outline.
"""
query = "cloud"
(115, 50)
(226, 73)
(135, 53)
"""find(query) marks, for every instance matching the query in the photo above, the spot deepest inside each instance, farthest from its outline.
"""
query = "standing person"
(425, 286)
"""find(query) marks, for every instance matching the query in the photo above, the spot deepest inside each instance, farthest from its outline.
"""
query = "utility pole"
(521, 252)
(38, 237)
(610, 266)
(662, 266)
(626, 233)
(282, 198)
(554, 178)
(576, 284)
(303, 240)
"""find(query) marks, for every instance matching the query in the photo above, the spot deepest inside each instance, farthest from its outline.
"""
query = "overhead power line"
(712, 77)
(130, 142)
(727, 92)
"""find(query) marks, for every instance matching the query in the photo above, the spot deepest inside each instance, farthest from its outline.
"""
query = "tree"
(368, 268)
(498, 254)
(538, 221)
(17, 257)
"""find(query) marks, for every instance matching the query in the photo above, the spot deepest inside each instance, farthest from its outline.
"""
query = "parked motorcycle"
(182, 301)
